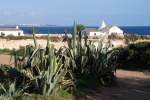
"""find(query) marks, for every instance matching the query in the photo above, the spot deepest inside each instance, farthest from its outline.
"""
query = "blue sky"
(64, 12)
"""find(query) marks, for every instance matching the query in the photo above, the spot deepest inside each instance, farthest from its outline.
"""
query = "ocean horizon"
(138, 30)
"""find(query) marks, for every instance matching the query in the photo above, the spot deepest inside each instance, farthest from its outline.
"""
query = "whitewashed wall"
(96, 34)
(14, 33)
(116, 30)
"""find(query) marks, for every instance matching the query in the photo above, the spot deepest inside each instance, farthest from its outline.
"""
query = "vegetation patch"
(133, 38)
(5, 51)
(48, 72)
(135, 56)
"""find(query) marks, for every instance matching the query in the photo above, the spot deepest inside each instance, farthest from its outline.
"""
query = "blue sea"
(140, 30)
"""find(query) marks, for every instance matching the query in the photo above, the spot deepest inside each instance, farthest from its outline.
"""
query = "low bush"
(133, 38)
(5, 51)
(135, 56)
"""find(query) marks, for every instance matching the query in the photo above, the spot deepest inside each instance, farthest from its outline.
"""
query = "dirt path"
(6, 59)
(130, 86)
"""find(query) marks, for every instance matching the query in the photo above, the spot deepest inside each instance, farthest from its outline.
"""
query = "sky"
(65, 12)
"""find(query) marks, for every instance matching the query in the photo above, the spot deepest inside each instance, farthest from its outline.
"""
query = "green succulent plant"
(87, 58)
(45, 68)
(12, 90)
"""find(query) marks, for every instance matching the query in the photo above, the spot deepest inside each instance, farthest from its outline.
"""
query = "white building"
(103, 25)
(103, 30)
(11, 31)
(109, 30)
(92, 32)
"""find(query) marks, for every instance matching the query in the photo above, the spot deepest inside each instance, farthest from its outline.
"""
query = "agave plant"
(12, 90)
(102, 65)
(87, 58)
(51, 78)
(46, 69)
(3, 97)
(77, 52)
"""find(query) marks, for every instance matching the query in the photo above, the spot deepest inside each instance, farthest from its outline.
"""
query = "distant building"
(92, 32)
(109, 30)
(103, 25)
(11, 32)
(103, 30)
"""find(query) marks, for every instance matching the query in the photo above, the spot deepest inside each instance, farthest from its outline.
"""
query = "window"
(19, 33)
(2, 34)
(84, 33)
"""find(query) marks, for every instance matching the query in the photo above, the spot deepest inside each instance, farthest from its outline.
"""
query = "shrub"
(135, 56)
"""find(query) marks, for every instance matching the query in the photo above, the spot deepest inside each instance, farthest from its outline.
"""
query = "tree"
(80, 27)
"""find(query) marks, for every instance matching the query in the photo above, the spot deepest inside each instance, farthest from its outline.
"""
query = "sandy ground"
(10, 44)
(131, 85)
(6, 59)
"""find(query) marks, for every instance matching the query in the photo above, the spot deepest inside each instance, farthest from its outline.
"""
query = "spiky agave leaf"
(53, 76)
(74, 34)
(27, 73)
(44, 68)
(34, 37)
(12, 90)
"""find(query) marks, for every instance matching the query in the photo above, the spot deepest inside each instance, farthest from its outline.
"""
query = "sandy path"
(130, 86)
(6, 59)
